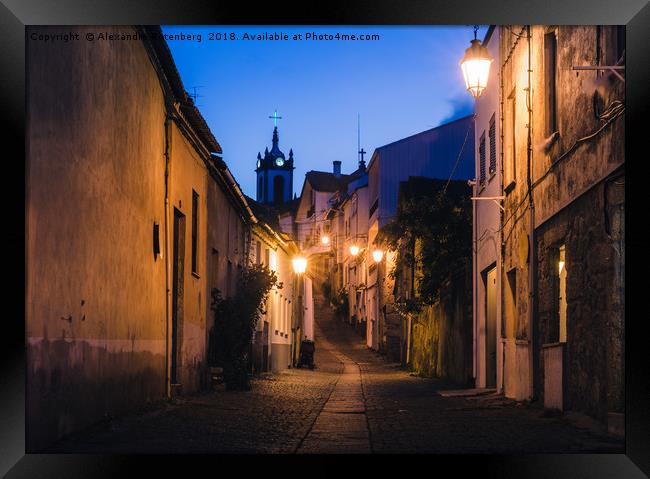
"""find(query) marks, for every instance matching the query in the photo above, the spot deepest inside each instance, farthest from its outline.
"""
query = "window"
(215, 268)
(156, 241)
(278, 190)
(620, 44)
(511, 164)
(273, 261)
(481, 152)
(229, 280)
(557, 331)
(195, 230)
(508, 320)
(562, 272)
(493, 146)
(258, 252)
(550, 79)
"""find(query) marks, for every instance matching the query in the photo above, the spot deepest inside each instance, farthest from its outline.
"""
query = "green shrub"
(235, 319)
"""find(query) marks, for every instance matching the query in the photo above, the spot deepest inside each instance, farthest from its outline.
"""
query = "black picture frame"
(16, 14)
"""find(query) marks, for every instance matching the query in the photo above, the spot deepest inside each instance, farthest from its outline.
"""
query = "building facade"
(563, 228)
(489, 340)
(270, 247)
(132, 219)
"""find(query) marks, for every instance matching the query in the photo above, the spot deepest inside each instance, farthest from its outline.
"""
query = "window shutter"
(493, 146)
(481, 150)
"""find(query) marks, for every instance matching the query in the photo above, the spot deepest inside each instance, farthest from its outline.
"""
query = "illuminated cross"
(276, 118)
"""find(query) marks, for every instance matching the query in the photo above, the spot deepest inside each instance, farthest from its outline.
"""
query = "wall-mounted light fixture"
(476, 66)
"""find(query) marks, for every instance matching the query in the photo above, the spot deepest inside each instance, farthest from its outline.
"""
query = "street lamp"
(354, 250)
(325, 239)
(476, 66)
(377, 255)
(299, 264)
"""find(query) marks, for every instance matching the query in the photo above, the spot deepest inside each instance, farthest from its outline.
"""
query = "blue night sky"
(406, 82)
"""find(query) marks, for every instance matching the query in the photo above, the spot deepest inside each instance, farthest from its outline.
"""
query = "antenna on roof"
(194, 95)
(360, 152)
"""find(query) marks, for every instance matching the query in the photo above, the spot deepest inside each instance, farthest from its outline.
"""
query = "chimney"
(337, 168)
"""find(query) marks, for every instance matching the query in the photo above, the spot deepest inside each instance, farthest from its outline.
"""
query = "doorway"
(178, 271)
(490, 329)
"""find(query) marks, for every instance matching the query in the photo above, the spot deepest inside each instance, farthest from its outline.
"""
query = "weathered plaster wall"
(224, 246)
(188, 173)
(441, 336)
(95, 301)
(569, 208)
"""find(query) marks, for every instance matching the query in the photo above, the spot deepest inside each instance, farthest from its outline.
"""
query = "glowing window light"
(273, 261)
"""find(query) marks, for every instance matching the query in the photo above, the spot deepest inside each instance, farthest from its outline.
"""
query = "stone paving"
(353, 402)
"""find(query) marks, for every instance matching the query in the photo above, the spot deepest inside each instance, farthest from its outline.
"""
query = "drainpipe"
(531, 204)
(500, 251)
(475, 264)
(474, 284)
(167, 260)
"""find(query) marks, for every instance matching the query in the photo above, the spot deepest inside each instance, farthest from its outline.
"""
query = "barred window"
(481, 152)
(493, 146)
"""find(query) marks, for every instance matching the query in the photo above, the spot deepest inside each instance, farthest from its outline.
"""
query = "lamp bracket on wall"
(611, 68)
(496, 199)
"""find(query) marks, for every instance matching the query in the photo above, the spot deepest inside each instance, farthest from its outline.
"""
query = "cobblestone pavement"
(352, 402)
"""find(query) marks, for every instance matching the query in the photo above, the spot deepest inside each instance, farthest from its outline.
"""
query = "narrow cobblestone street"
(353, 402)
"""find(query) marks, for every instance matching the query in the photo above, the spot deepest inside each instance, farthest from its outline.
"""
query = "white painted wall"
(487, 218)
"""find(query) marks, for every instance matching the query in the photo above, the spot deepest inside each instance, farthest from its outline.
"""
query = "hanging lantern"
(476, 67)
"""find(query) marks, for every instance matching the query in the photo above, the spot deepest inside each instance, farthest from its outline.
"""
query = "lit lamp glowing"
(299, 264)
(378, 255)
(476, 67)
(325, 239)
(354, 250)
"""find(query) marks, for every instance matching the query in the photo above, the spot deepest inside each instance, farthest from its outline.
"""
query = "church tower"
(274, 172)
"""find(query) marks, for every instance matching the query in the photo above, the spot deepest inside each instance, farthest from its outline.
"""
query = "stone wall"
(593, 232)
